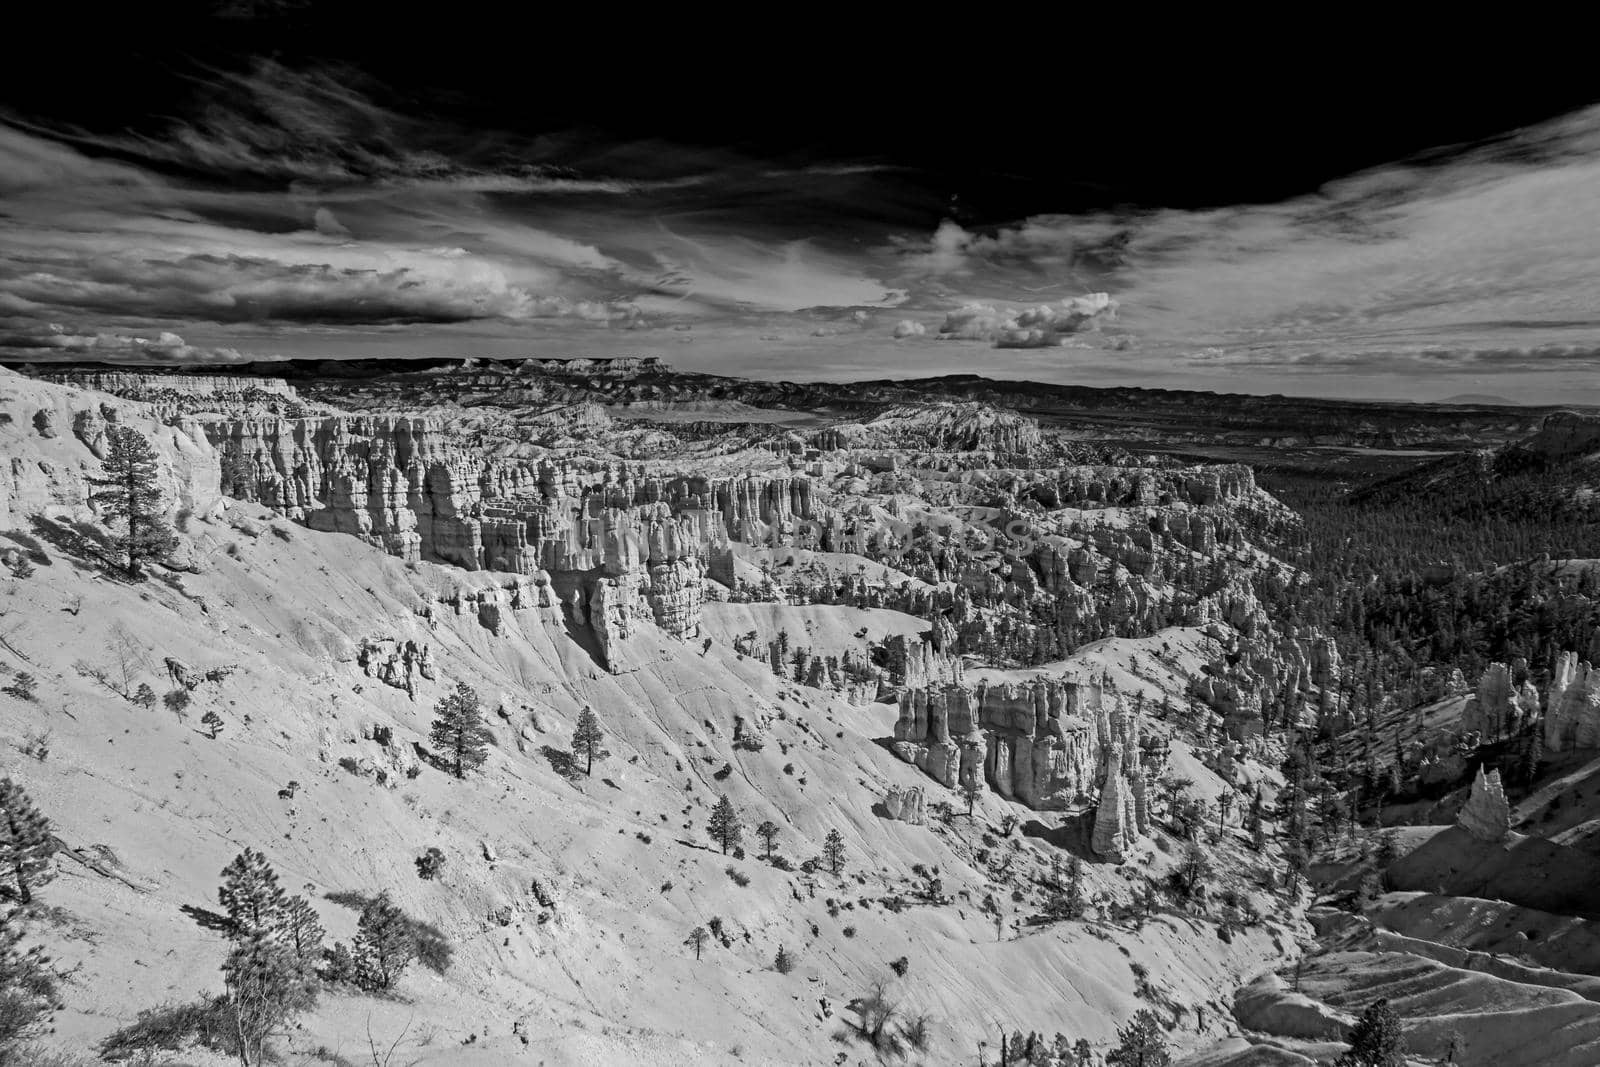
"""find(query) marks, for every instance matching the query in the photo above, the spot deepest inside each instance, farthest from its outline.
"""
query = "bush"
(430, 863)
(900, 966)
(22, 686)
(739, 877)
(172, 1028)
(177, 701)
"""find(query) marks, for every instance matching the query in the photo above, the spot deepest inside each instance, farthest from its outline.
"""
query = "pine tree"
(833, 851)
(1376, 1040)
(768, 832)
(212, 722)
(783, 963)
(302, 932)
(266, 987)
(27, 984)
(587, 739)
(385, 943)
(697, 940)
(251, 895)
(724, 827)
(27, 844)
(1141, 1043)
(459, 731)
(127, 493)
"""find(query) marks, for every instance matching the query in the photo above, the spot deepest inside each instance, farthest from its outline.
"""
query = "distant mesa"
(1480, 400)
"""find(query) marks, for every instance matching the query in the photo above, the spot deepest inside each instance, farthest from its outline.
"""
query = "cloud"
(52, 341)
(1415, 360)
(909, 328)
(1040, 326)
(1488, 250)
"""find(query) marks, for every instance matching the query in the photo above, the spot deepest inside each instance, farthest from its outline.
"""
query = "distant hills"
(1480, 400)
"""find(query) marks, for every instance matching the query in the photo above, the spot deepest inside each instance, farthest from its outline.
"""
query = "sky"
(241, 181)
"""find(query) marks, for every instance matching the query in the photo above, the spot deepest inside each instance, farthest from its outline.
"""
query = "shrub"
(739, 877)
(22, 686)
(900, 966)
(783, 963)
(171, 1028)
(430, 863)
(177, 701)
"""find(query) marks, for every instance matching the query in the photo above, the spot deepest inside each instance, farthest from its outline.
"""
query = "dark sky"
(991, 121)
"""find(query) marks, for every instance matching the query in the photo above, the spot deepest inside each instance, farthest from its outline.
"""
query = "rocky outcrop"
(1044, 743)
(396, 663)
(1572, 707)
(1566, 434)
(1486, 815)
(1499, 707)
(939, 427)
(1114, 820)
(906, 805)
(186, 392)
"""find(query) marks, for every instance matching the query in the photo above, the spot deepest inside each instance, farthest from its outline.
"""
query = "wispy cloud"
(1484, 259)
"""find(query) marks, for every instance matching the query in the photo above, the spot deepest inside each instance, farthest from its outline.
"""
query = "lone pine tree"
(587, 739)
(833, 851)
(126, 494)
(27, 845)
(251, 895)
(697, 940)
(459, 731)
(724, 827)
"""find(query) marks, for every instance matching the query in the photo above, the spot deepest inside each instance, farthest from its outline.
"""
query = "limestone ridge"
(1486, 815)
(171, 394)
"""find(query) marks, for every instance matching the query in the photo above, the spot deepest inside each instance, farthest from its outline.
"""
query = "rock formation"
(1498, 708)
(1572, 707)
(1486, 815)
(396, 663)
(907, 805)
(1114, 819)
(1044, 742)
